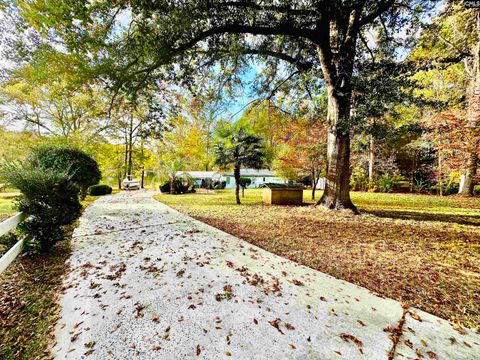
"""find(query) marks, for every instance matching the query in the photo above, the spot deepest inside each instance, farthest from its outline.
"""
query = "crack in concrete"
(396, 333)
(126, 229)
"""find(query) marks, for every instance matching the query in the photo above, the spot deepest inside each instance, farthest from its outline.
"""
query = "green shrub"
(98, 190)
(7, 241)
(218, 185)
(476, 190)
(165, 188)
(452, 185)
(81, 167)
(244, 182)
(451, 188)
(373, 186)
(447, 187)
(181, 187)
(386, 183)
(420, 186)
(359, 180)
(48, 196)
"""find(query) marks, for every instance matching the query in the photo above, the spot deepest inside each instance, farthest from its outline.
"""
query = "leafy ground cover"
(420, 249)
(28, 308)
(28, 301)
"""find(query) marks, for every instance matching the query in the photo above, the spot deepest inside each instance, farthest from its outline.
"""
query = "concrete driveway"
(147, 282)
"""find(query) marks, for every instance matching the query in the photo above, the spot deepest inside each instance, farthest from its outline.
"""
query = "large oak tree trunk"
(337, 53)
(473, 121)
(236, 174)
(337, 185)
(467, 178)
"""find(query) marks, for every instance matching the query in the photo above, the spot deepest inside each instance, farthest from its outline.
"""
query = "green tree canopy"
(136, 43)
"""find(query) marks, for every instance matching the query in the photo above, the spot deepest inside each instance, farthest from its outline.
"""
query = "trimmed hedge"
(50, 198)
(179, 187)
(98, 190)
(81, 167)
(165, 188)
(245, 182)
(218, 185)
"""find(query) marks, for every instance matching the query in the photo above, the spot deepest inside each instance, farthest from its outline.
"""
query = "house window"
(227, 180)
(263, 179)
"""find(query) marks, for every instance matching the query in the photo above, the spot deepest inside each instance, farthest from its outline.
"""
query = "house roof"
(216, 175)
(253, 173)
(201, 174)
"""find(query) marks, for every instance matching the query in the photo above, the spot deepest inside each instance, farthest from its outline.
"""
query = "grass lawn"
(7, 200)
(420, 249)
(6, 204)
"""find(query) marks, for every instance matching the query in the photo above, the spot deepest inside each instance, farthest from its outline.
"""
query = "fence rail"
(5, 227)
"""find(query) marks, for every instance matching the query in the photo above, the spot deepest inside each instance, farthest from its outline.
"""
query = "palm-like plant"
(172, 171)
(236, 147)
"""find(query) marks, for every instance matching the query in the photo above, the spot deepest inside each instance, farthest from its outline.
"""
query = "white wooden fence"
(5, 227)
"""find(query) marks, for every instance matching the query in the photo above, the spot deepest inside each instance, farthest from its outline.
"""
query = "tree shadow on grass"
(425, 216)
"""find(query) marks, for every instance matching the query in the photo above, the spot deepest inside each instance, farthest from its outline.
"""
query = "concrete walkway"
(150, 283)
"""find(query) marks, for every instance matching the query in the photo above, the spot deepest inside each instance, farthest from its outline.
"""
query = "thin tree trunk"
(440, 173)
(126, 155)
(473, 119)
(119, 171)
(236, 174)
(143, 167)
(371, 160)
(130, 148)
(414, 171)
(130, 161)
(83, 192)
(314, 183)
(207, 149)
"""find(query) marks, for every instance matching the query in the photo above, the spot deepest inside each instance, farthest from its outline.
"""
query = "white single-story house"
(200, 177)
(258, 177)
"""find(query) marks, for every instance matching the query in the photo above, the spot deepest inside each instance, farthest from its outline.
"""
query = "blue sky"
(235, 105)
